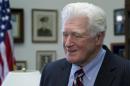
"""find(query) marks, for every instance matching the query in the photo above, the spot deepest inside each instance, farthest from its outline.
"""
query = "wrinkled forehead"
(76, 22)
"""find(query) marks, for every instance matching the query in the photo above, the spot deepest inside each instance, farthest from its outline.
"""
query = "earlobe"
(97, 40)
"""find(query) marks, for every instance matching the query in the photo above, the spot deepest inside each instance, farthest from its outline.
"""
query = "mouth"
(71, 51)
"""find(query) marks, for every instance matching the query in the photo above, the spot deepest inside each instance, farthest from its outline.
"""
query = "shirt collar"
(88, 68)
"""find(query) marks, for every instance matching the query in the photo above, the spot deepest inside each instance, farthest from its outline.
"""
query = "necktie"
(79, 78)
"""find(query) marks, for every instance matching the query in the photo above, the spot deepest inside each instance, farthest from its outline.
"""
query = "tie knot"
(80, 73)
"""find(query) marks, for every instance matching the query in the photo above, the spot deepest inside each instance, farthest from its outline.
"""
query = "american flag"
(7, 60)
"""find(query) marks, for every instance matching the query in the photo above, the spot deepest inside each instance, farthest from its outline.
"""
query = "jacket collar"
(65, 72)
(107, 71)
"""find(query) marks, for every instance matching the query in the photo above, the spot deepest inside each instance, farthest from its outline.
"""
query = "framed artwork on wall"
(17, 18)
(21, 66)
(44, 25)
(119, 22)
(44, 57)
(118, 48)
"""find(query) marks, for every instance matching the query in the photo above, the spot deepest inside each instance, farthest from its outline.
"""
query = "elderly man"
(87, 62)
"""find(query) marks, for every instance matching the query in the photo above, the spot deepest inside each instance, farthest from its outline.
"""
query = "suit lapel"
(65, 72)
(107, 72)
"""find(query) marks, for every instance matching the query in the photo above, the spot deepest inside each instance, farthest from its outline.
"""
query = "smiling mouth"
(71, 52)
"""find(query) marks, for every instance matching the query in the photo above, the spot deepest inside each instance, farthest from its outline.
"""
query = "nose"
(68, 41)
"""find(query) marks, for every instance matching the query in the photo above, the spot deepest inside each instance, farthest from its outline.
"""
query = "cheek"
(87, 46)
(64, 46)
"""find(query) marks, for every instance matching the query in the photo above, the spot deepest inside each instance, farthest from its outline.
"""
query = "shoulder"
(57, 65)
(123, 70)
(119, 61)
(121, 64)
(54, 68)
(115, 59)
(54, 71)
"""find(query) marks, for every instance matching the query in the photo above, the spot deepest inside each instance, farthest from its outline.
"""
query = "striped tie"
(79, 78)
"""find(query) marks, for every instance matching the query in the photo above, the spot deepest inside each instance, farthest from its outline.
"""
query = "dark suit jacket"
(115, 71)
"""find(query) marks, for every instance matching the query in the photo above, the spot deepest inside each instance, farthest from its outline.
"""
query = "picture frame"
(44, 57)
(44, 26)
(21, 66)
(119, 22)
(17, 19)
(118, 48)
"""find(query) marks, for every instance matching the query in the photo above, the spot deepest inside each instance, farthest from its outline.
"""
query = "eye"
(65, 34)
(77, 35)
(74, 34)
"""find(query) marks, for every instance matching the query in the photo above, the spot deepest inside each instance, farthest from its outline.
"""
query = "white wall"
(27, 50)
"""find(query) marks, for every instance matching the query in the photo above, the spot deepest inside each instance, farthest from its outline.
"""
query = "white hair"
(96, 16)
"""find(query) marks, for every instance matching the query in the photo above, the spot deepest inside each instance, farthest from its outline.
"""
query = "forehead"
(77, 23)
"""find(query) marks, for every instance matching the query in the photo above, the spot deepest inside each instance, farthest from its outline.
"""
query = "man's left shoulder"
(122, 63)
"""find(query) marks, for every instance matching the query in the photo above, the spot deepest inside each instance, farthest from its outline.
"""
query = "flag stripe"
(6, 52)
(9, 52)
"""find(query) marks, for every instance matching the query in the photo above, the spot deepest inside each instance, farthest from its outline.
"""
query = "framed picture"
(119, 22)
(17, 16)
(44, 25)
(44, 57)
(118, 48)
(21, 65)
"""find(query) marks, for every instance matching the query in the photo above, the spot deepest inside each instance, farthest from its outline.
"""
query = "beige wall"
(27, 50)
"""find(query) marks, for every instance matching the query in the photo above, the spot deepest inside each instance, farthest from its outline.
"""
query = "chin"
(71, 60)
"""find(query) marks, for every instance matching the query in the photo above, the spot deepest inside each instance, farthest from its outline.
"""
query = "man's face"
(79, 45)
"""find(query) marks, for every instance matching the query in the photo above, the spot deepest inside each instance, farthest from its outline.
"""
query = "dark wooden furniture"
(127, 28)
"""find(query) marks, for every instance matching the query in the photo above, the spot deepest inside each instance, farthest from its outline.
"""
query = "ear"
(99, 38)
